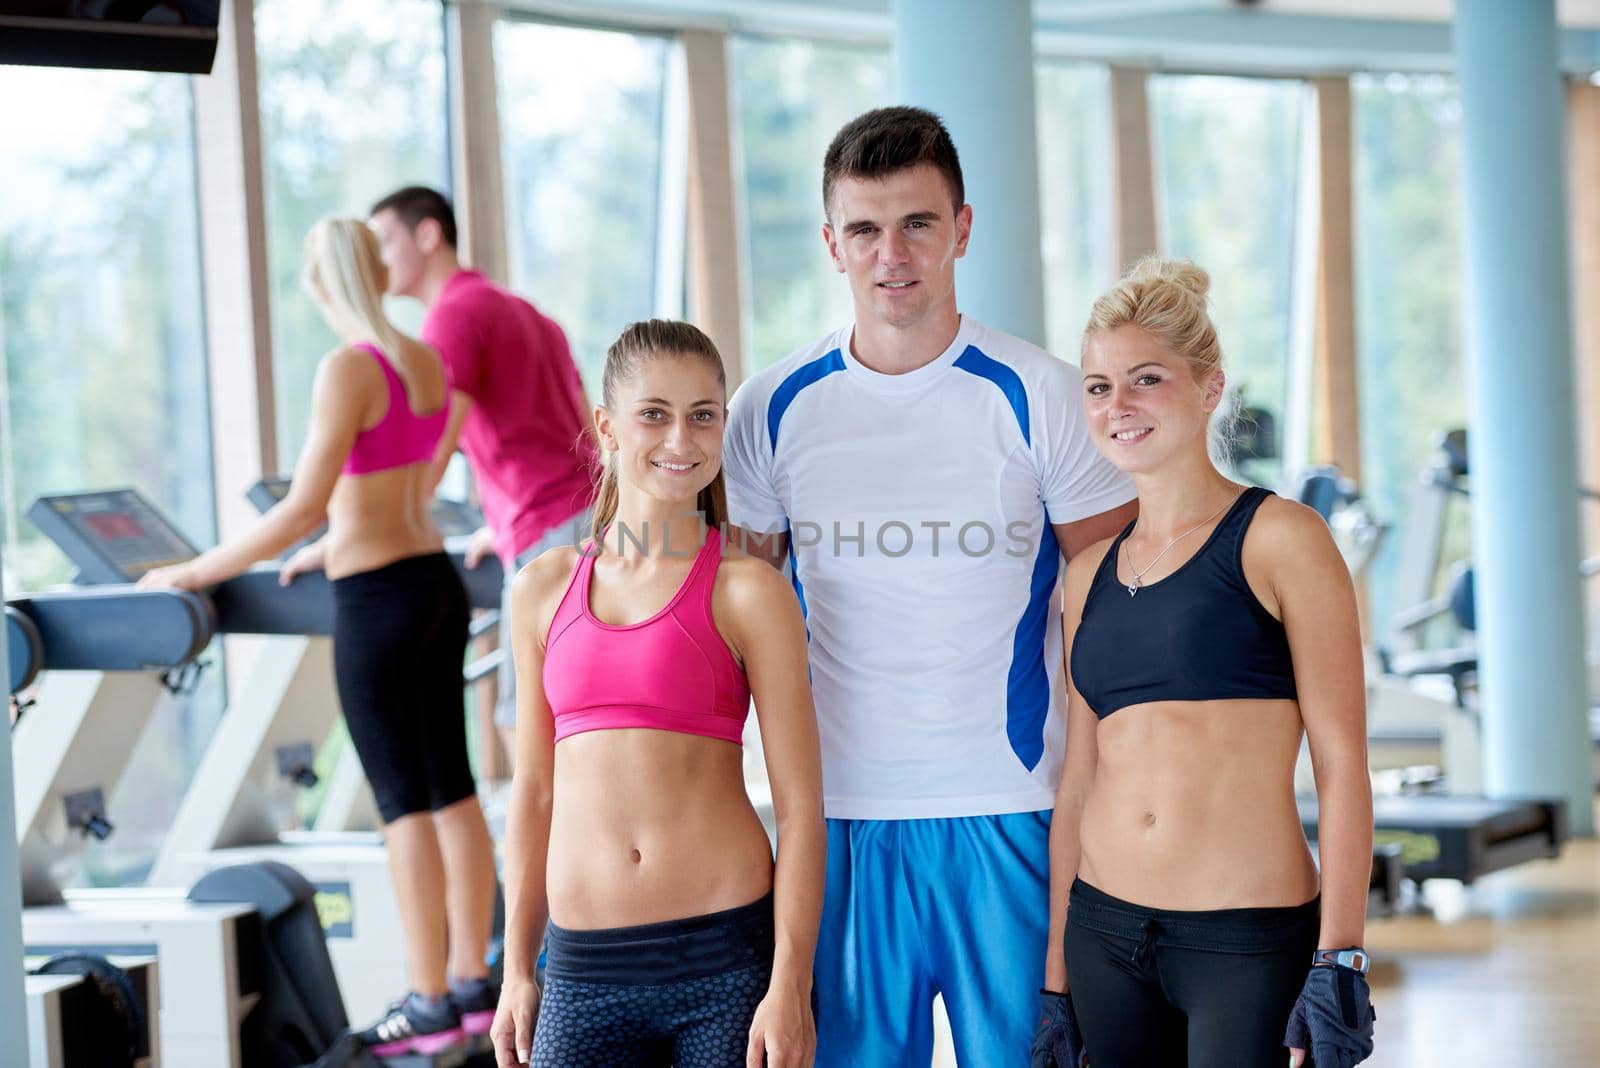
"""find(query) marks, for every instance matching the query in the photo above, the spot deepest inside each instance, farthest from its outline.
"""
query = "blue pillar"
(13, 1008)
(1523, 437)
(972, 64)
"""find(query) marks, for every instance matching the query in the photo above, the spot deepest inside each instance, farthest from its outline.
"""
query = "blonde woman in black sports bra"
(1188, 919)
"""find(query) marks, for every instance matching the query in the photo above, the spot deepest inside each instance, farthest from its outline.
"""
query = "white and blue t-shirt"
(918, 508)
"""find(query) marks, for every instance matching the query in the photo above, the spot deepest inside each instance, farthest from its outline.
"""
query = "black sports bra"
(1199, 634)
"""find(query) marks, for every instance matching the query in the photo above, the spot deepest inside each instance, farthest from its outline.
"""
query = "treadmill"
(241, 806)
(238, 976)
(107, 656)
(1448, 836)
(112, 655)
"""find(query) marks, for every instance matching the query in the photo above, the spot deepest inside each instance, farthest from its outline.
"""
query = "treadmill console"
(455, 519)
(115, 536)
(111, 536)
(266, 492)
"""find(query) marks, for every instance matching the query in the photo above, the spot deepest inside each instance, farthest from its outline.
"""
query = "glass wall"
(1408, 269)
(1075, 175)
(352, 107)
(790, 98)
(580, 143)
(103, 363)
(1226, 171)
(102, 348)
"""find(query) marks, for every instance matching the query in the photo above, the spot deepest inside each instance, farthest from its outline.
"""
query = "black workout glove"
(1332, 1020)
(1058, 1043)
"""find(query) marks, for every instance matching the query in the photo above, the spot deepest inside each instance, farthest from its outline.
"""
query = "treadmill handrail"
(119, 628)
(25, 649)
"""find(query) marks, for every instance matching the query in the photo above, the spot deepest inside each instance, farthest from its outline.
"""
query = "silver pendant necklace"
(1139, 573)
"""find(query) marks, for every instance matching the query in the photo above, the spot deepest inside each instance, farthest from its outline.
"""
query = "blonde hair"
(1167, 298)
(653, 339)
(345, 275)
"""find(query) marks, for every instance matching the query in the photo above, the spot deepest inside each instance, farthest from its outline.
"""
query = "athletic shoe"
(414, 1024)
(475, 1000)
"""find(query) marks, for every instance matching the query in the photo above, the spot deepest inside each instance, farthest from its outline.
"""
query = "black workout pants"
(1203, 989)
(399, 639)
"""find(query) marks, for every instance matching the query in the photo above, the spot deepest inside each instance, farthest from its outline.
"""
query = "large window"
(352, 107)
(103, 362)
(1226, 166)
(102, 353)
(790, 98)
(1075, 173)
(1408, 301)
(580, 121)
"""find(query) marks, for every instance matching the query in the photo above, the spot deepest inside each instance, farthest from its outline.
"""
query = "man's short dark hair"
(886, 140)
(417, 202)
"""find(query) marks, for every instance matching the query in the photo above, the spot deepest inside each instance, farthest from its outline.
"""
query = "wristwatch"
(1355, 958)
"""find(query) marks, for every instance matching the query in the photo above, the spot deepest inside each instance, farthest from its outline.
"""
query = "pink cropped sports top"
(402, 436)
(672, 672)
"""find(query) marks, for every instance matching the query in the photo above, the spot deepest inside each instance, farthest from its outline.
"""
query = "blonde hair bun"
(1183, 273)
(1166, 298)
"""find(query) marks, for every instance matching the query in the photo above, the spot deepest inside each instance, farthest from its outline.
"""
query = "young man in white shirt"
(924, 475)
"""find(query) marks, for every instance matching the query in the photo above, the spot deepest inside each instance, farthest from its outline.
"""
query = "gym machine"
(83, 1009)
(104, 654)
(1456, 834)
(241, 806)
(245, 976)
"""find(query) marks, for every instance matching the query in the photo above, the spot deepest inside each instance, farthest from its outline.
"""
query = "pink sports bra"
(402, 436)
(672, 672)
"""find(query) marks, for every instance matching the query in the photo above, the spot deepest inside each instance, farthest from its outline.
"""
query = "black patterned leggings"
(677, 993)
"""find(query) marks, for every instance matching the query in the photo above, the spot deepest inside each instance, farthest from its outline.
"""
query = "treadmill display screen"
(114, 526)
(113, 536)
(455, 519)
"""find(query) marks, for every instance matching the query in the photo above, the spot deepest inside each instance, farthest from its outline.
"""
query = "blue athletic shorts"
(913, 908)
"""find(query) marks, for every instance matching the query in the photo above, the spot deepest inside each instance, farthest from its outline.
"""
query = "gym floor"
(1506, 972)
(1502, 974)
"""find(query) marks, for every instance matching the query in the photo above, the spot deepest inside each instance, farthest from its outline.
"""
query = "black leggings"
(679, 993)
(1155, 987)
(399, 639)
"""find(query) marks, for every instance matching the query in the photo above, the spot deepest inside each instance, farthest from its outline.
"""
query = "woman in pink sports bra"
(631, 844)
(399, 631)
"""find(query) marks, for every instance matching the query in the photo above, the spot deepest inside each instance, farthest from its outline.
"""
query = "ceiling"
(1229, 36)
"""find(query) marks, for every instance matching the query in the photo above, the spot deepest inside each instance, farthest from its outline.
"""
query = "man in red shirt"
(517, 406)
